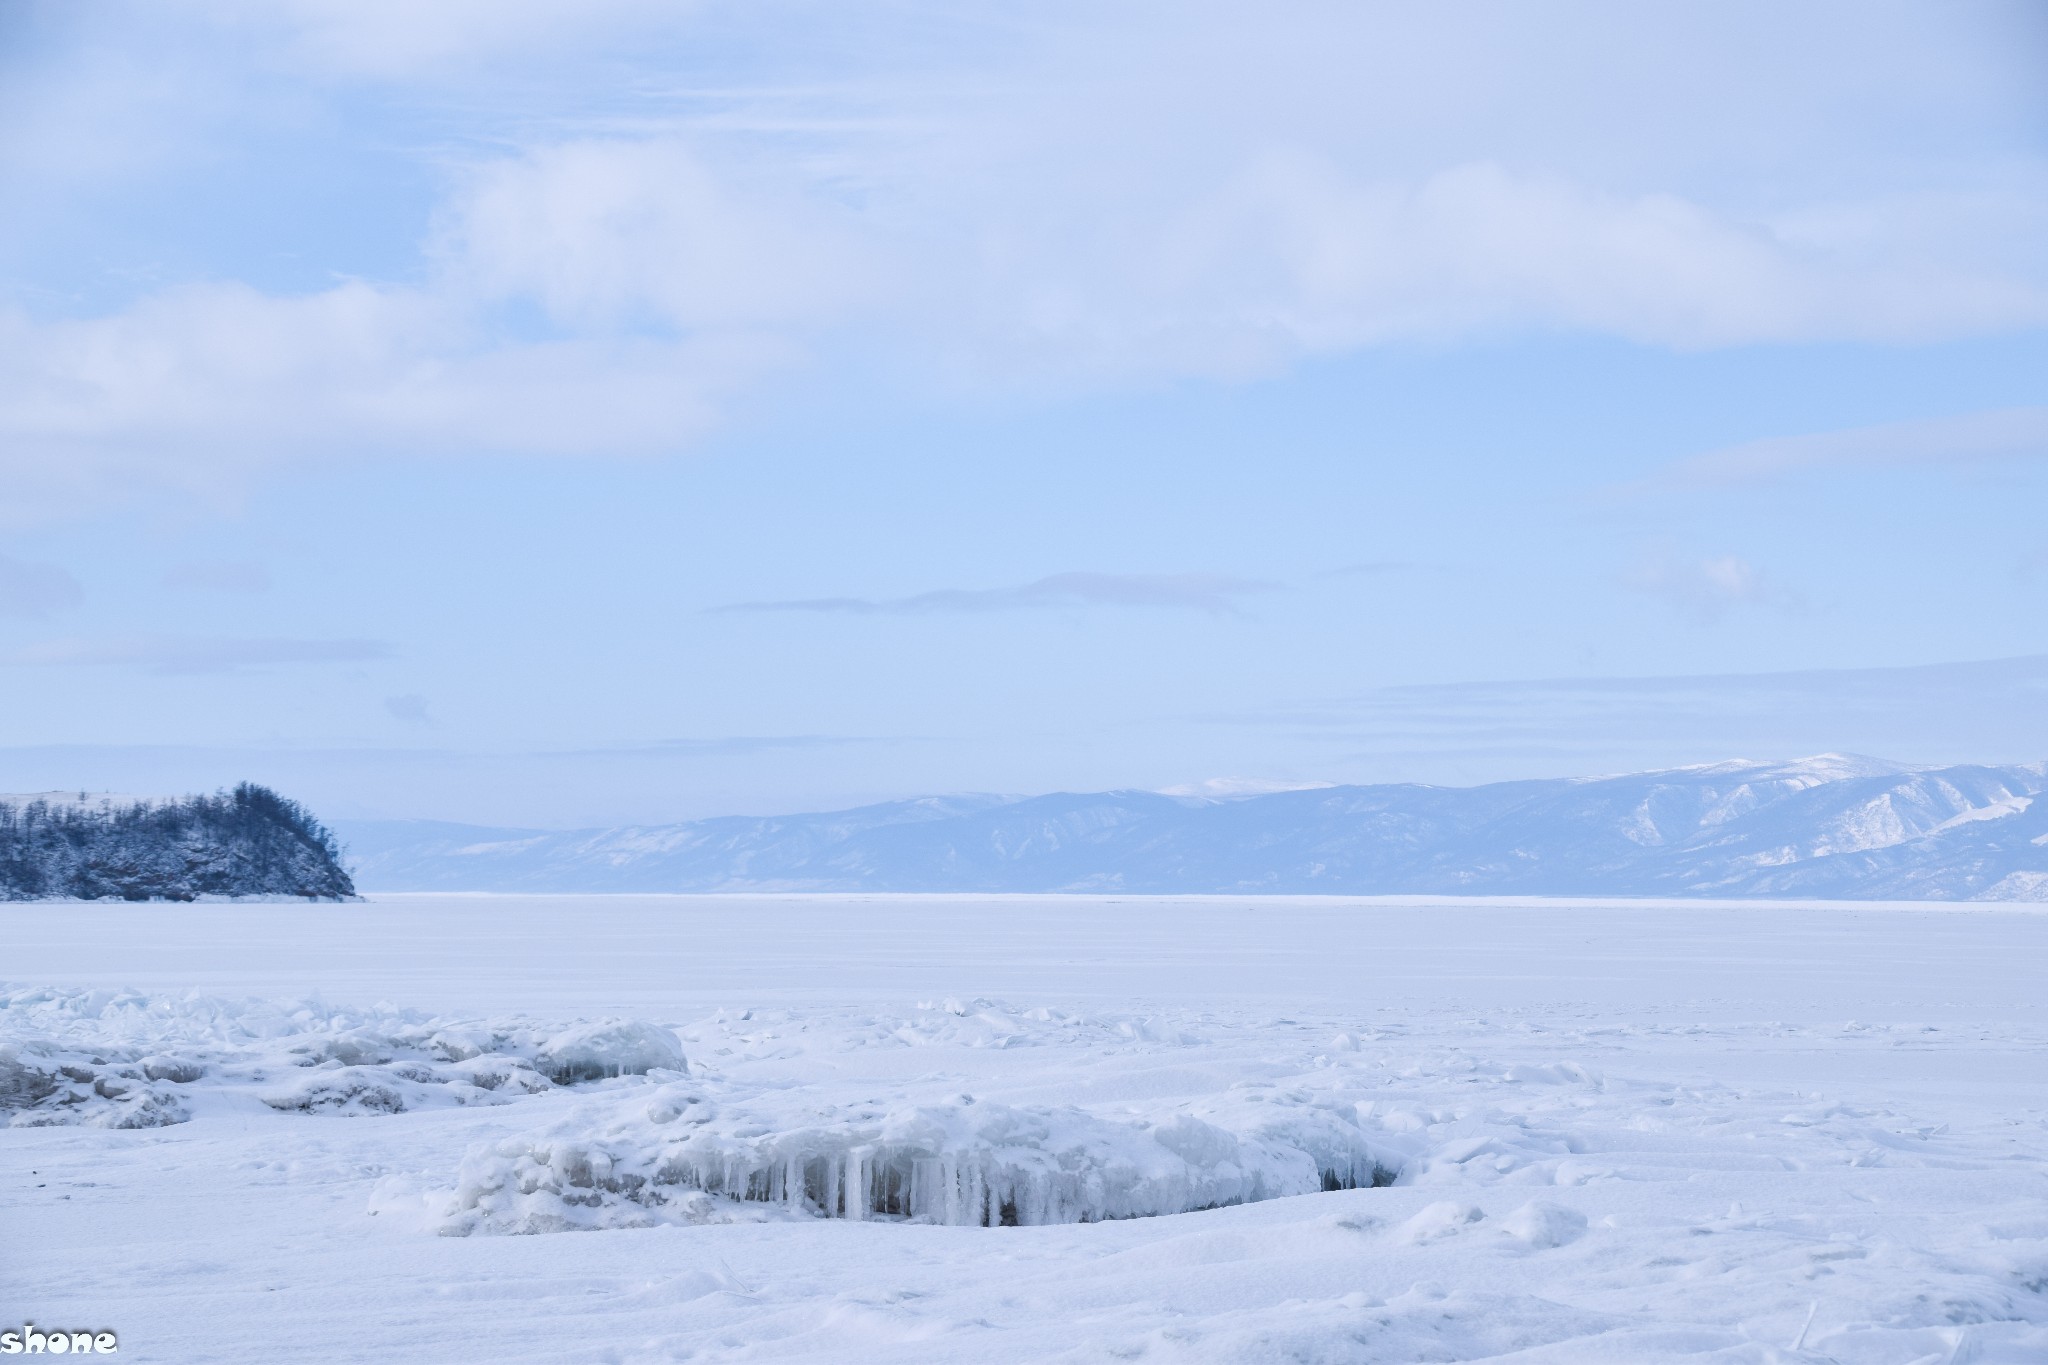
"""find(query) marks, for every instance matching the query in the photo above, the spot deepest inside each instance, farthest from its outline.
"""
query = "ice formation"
(42, 1084)
(680, 1157)
(121, 1059)
(653, 1142)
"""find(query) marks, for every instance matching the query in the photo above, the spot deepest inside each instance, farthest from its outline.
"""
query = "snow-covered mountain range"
(1831, 826)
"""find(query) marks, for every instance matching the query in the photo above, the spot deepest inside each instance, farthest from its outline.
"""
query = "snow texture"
(1831, 826)
(1233, 1131)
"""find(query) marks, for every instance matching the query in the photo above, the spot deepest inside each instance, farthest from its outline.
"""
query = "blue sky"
(560, 414)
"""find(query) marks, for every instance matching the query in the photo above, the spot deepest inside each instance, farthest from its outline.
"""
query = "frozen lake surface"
(1627, 1132)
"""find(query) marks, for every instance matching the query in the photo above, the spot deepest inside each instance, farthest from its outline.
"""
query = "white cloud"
(1296, 256)
(605, 233)
(197, 387)
(200, 385)
(690, 197)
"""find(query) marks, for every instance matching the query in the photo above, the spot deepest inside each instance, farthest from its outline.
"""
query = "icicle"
(856, 1187)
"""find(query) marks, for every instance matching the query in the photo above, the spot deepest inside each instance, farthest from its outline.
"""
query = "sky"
(560, 415)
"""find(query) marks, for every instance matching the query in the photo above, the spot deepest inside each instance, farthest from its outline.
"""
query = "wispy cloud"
(1212, 593)
(1702, 590)
(409, 707)
(1366, 568)
(218, 576)
(1990, 710)
(180, 654)
(2003, 433)
(741, 746)
(525, 787)
(1231, 788)
(731, 746)
(36, 589)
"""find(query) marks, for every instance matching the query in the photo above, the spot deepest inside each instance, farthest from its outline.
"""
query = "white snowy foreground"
(636, 1129)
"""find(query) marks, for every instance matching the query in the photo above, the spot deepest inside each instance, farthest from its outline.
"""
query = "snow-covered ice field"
(1614, 1132)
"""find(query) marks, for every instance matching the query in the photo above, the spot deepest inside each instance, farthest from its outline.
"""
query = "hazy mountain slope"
(1828, 826)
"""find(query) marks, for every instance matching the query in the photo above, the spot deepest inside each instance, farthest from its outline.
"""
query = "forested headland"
(245, 842)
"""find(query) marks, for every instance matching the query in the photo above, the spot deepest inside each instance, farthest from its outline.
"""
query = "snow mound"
(1543, 1225)
(678, 1157)
(1446, 1218)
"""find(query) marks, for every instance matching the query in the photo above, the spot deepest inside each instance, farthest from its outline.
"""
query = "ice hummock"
(45, 1085)
(123, 1059)
(618, 1047)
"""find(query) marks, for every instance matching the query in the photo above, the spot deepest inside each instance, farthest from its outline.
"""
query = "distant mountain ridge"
(1830, 826)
